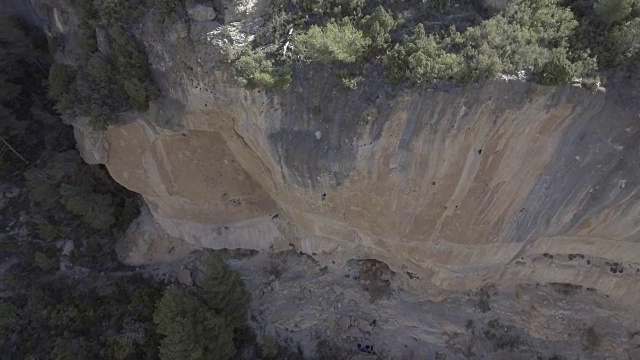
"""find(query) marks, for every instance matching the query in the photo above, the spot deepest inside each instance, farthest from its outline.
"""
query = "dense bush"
(334, 42)
(421, 58)
(335, 8)
(60, 78)
(625, 40)
(612, 11)
(527, 36)
(253, 70)
(224, 290)
(191, 330)
(556, 41)
(378, 26)
(197, 325)
(105, 86)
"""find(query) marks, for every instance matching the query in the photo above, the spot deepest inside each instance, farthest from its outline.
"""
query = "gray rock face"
(184, 277)
(202, 12)
(503, 182)
(181, 28)
(102, 40)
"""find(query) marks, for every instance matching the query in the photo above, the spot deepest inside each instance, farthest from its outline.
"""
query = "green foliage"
(224, 290)
(420, 58)
(348, 81)
(560, 70)
(192, 330)
(612, 11)
(45, 314)
(120, 11)
(60, 321)
(133, 72)
(44, 229)
(337, 8)
(65, 189)
(331, 43)
(61, 77)
(106, 85)
(95, 209)
(625, 42)
(15, 46)
(527, 35)
(270, 348)
(378, 26)
(197, 325)
(254, 70)
(8, 314)
(523, 38)
(44, 262)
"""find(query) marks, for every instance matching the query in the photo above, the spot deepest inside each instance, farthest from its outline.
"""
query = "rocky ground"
(326, 313)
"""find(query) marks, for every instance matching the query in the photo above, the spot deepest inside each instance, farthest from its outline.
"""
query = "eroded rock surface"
(504, 183)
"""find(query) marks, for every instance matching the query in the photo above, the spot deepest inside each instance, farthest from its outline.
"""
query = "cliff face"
(502, 182)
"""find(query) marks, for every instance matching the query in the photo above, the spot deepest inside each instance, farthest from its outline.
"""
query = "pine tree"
(224, 290)
(612, 11)
(192, 330)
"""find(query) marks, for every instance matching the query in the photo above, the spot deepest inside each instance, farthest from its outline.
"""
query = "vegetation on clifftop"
(415, 41)
(424, 41)
(110, 80)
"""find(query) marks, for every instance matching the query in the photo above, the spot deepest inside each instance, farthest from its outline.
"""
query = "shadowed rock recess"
(453, 188)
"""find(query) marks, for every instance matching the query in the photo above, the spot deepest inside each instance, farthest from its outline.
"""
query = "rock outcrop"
(456, 186)
(451, 187)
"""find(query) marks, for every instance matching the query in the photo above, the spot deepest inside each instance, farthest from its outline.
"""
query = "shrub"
(625, 41)
(191, 330)
(269, 348)
(378, 27)
(254, 70)
(520, 39)
(224, 290)
(612, 11)
(132, 70)
(558, 70)
(338, 8)
(95, 209)
(334, 42)
(119, 11)
(43, 261)
(420, 58)
(60, 78)
(8, 313)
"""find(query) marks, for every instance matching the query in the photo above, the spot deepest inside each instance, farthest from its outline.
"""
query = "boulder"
(363, 325)
(181, 29)
(103, 41)
(184, 277)
(337, 289)
(68, 247)
(202, 12)
(343, 323)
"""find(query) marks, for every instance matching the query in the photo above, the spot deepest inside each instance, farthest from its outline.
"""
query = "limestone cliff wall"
(503, 182)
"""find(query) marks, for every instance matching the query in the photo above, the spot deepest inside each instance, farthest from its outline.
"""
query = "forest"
(64, 295)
